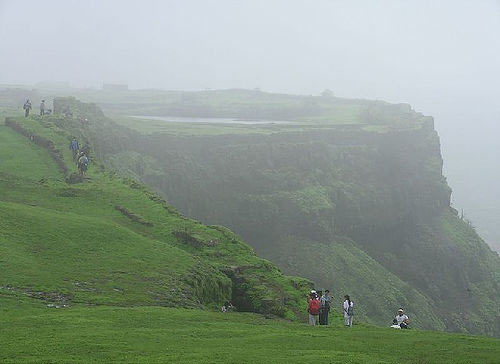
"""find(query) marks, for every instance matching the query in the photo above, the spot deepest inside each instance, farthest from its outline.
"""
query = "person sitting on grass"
(227, 307)
(401, 319)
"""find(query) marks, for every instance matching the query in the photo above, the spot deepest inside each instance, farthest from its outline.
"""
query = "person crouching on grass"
(313, 308)
(402, 320)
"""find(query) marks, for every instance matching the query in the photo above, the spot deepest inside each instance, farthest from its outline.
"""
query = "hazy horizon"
(442, 57)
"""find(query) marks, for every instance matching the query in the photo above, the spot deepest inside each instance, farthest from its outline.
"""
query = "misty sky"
(374, 49)
(443, 57)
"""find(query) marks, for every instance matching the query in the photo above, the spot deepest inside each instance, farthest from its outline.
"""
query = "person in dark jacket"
(73, 146)
(27, 108)
(320, 316)
(325, 301)
(42, 108)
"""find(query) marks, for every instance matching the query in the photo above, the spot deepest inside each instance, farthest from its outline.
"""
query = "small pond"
(205, 120)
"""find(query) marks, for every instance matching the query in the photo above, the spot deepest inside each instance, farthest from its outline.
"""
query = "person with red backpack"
(313, 308)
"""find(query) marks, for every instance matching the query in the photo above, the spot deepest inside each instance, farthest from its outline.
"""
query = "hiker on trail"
(401, 320)
(325, 302)
(348, 309)
(79, 155)
(42, 108)
(73, 146)
(313, 308)
(27, 108)
(83, 164)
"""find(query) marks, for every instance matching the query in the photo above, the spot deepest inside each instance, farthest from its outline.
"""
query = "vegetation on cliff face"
(355, 208)
(110, 241)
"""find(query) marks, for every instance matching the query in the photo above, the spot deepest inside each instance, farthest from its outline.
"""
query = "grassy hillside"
(32, 333)
(105, 271)
(345, 268)
(349, 196)
(36, 161)
(109, 240)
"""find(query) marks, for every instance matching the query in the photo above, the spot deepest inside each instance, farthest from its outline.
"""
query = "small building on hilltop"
(114, 87)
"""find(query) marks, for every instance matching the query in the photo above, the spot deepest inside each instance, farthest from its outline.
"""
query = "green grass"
(57, 251)
(126, 287)
(295, 196)
(36, 162)
(70, 241)
(150, 126)
(345, 269)
(32, 333)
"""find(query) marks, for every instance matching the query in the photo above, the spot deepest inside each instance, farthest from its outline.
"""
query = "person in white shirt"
(348, 309)
(401, 319)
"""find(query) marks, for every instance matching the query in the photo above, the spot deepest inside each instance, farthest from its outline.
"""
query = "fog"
(442, 57)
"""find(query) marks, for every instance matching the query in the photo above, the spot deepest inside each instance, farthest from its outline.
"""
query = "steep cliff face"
(359, 209)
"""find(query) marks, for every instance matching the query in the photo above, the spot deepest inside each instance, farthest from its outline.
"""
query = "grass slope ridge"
(380, 189)
(68, 243)
(69, 246)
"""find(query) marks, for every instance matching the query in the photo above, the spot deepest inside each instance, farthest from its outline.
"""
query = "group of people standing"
(319, 305)
(43, 110)
(81, 156)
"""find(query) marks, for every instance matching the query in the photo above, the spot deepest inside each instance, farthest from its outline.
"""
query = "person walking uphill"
(83, 164)
(73, 146)
(348, 309)
(313, 309)
(27, 108)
